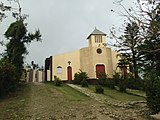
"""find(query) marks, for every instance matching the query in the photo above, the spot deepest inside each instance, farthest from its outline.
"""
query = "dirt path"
(116, 109)
(45, 102)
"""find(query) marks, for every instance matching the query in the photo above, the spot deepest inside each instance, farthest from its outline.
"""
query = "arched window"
(59, 70)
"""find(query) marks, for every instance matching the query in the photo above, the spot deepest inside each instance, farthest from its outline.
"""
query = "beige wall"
(48, 75)
(85, 59)
(40, 76)
(62, 60)
(115, 61)
(92, 43)
(89, 58)
(35, 76)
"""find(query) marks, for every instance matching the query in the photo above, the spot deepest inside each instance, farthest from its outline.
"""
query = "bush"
(116, 78)
(102, 79)
(78, 77)
(133, 83)
(122, 85)
(110, 83)
(8, 78)
(153, 95)
(99, 89)
(57, 81)
(84, 83)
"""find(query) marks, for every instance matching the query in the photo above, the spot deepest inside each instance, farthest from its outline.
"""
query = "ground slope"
(47, 102)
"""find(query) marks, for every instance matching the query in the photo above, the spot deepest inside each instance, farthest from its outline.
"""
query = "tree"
(150, 49)
(18, 37)
(129, 43)
(123, 64)
(3, 9)
(147, 17)
(11, 63)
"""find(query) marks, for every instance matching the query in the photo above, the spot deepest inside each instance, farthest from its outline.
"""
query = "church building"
(94, 59)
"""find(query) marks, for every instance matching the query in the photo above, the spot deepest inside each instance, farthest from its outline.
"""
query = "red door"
(69, 72)
(100, 69)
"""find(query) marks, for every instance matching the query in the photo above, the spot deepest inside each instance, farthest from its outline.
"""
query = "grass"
(115, 95)
(136, 92)
(14, 105)
(70, 93)
(123, 97)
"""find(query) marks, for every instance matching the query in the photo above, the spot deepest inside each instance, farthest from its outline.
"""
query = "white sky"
(65, 24)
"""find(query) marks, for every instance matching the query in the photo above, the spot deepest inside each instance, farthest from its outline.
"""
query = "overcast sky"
(65, 24)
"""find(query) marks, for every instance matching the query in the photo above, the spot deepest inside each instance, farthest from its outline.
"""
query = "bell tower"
(97, 38)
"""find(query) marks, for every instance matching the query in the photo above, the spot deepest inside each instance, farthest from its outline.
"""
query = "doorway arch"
(100, 69)
(69, 72)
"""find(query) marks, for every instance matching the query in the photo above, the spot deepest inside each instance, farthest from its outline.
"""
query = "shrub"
(57, 81)
(110, 83)
(122, 85)
(78, 77)
(84, 83)
(153, 95)
(116, 78)
(8, 78)
(102, 79)
(99, 89)
(133, 83)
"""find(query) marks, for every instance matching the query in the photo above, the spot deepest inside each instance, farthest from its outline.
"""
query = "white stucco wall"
(48, 75)
(40, 76)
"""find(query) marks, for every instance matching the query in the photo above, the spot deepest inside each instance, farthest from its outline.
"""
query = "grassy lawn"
(124, 97)
(136, 92)
(70, 93)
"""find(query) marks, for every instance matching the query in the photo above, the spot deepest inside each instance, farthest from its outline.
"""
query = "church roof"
(96, 32)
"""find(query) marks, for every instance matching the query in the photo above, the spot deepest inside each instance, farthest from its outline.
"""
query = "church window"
(59, 70)
(98, 39)
(99, 51)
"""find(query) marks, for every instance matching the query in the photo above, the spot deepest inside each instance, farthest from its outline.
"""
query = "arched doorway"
(100, 69)
(69, 72)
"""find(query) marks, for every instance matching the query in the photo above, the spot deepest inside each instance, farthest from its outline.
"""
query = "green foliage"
(127, 45)
(102, 79)
(16, 49)
(110, 83)
(17, 30)
(152, 84)
(99, 89)
(123, 64)
(153, 96)
(11, 65)
(116, 78)
(134, 84)
(79, 77)
(57, 81)
(122, 85)
(143, 39)
(8, 77)
(84, 83)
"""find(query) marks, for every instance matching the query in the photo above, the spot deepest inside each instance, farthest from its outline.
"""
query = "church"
(94, 59)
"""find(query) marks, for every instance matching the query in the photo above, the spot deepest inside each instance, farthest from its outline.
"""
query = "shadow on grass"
(69, 93)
